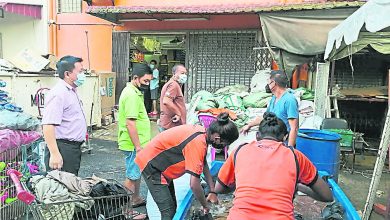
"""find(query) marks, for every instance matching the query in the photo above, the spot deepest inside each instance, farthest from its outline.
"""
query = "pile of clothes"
(5, 100)
(64, 195)
(16, 128)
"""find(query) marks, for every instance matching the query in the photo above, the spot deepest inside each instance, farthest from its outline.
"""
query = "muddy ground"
(107, 162)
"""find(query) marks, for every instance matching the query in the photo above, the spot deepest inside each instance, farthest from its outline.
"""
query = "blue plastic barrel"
(322, 148)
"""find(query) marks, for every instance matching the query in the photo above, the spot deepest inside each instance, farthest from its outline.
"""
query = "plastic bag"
(10, 139)
(18, 121)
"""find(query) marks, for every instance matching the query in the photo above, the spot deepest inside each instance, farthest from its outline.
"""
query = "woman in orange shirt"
(266, 174)
(178, 150)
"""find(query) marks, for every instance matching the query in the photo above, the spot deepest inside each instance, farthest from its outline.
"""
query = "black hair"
(66, 63)
(153, 61)
(280, 78)
(140, 70)
(273, 127)
(174, 68)
(226, 129)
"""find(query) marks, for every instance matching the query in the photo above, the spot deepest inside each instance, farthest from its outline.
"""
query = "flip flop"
(138, 216)
(143, 203)
(135, 215)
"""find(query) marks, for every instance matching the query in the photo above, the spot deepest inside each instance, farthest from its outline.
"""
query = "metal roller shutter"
(216, 59)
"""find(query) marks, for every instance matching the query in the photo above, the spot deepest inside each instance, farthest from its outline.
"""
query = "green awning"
(379, 41)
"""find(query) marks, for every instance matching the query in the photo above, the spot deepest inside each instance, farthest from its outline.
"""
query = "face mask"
(182, 78)
(151, 66)
(267, 89)
(80, 79)
(218, 146)
(143, 87)
(215, 145)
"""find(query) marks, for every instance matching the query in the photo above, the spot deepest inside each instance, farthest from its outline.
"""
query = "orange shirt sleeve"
(194, 156)
(307, 171)
(226, 175)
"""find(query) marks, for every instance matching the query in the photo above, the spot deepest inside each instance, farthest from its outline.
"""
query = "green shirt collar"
(136, 90)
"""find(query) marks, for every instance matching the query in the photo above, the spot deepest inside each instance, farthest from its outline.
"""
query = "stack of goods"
(18, 132)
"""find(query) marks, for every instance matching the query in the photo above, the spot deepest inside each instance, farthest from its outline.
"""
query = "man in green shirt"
(134, 126)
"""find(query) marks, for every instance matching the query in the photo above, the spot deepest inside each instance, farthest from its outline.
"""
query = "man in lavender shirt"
(64, 123)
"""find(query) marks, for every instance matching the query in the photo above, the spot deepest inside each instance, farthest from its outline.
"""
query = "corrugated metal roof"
(264, 6)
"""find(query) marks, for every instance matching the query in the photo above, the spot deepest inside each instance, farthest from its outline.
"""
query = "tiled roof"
(264, 6)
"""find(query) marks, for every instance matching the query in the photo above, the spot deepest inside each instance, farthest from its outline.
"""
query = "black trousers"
(163, 195)
(71, 156)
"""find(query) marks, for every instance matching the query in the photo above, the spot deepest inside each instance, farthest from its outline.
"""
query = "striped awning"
(34, 11)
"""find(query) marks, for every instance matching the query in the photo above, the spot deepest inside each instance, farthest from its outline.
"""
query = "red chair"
(206, 120)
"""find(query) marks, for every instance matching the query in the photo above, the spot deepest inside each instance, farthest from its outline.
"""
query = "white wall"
(19, 32)
(23, 87)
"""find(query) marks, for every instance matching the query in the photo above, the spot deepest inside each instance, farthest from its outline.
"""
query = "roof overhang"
(28, 10)
(120, 14)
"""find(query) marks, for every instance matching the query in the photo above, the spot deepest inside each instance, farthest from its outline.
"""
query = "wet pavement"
(105, 160)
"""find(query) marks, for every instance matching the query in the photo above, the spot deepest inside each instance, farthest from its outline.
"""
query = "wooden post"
(333, 63)
(380, 162)
(321, 93)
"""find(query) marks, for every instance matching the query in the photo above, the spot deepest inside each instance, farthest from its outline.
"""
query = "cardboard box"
(107, 91)
(29, 60)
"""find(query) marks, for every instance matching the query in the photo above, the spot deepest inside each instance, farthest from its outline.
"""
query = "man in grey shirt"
(64, 123)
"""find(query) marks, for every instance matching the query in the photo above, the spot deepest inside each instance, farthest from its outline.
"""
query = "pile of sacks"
(235, 98)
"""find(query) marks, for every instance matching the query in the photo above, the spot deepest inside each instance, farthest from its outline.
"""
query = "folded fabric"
(73, 183)
(3, 101)
(12, 108)
(18, 121)
(49, 191)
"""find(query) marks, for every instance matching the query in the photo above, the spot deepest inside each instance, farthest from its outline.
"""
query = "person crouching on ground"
(266, 173)
(180, 150)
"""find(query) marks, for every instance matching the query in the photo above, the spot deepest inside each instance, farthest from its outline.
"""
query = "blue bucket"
(322, 148)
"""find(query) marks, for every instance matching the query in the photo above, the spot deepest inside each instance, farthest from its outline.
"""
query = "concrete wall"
(71, 39)
(23, 88)
(19, 32)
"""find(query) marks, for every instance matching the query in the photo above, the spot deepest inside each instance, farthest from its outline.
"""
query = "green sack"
(257, 100)
(213, 102)
(238, 88)
(307, 93)
(233, 102)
